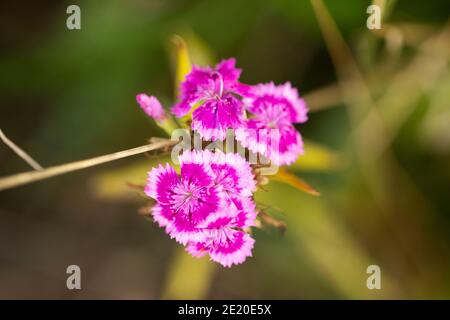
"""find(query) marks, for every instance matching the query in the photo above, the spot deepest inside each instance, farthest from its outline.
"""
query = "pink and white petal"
(230, 170)
(242, 89)
(196, 249)
(209, 134)
(212, 119)
(192, 90)
(195, 198)
(197, 173)
(299, 109)
(234, 250)
(227, 177)
(184, 235)
(289, 148)
(189, 218)
(203, 157)
(160, 183)
(282, 94)
(182, 108)
(282, 148)
(163, 215)
(196, 80)
(220, 219)
(246, 182)
(247, 212)
(228, 71)
(253, 139)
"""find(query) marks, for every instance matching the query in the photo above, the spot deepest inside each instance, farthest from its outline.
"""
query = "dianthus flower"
(208, 205)
(184, 201)
(269, 130)
(213, 92)
(226, 242)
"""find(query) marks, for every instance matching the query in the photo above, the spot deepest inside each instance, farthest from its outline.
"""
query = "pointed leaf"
(182, 61)
(291, 179)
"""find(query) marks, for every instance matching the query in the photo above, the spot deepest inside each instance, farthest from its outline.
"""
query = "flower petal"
(160, 183)
(246, 212)
(193, 89)
(212, 119)
(234, 248)
(283, 94)
(163, 215)
(228, 71)
(196, 249)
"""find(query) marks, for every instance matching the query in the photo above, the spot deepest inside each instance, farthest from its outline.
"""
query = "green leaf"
(182, 61)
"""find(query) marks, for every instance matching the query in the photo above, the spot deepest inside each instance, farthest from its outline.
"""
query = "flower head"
(269, 129)
(208, 205)
(184, 201)
(213, 92)
(284, 95)
(225, 240)
(230, 170)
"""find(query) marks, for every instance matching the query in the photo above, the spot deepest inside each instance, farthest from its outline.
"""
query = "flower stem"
(22, 154)
(32, 176)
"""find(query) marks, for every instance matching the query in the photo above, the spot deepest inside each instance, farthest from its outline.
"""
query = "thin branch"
(22, 154)
(32, 176)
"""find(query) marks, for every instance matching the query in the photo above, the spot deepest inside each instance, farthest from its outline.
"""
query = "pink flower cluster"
(262, 116)
(209, 206)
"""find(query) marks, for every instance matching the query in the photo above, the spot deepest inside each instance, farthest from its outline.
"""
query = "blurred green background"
(378, 147)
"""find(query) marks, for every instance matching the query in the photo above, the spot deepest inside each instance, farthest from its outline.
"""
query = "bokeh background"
(377, 147)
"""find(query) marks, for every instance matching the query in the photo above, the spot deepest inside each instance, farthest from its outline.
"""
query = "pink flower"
(184, 201)
(151, 106)
(225, 242)
(233, 175)
(269, 129)
(208, 205)
(230, 170)
(215, 90)
(283, 94)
